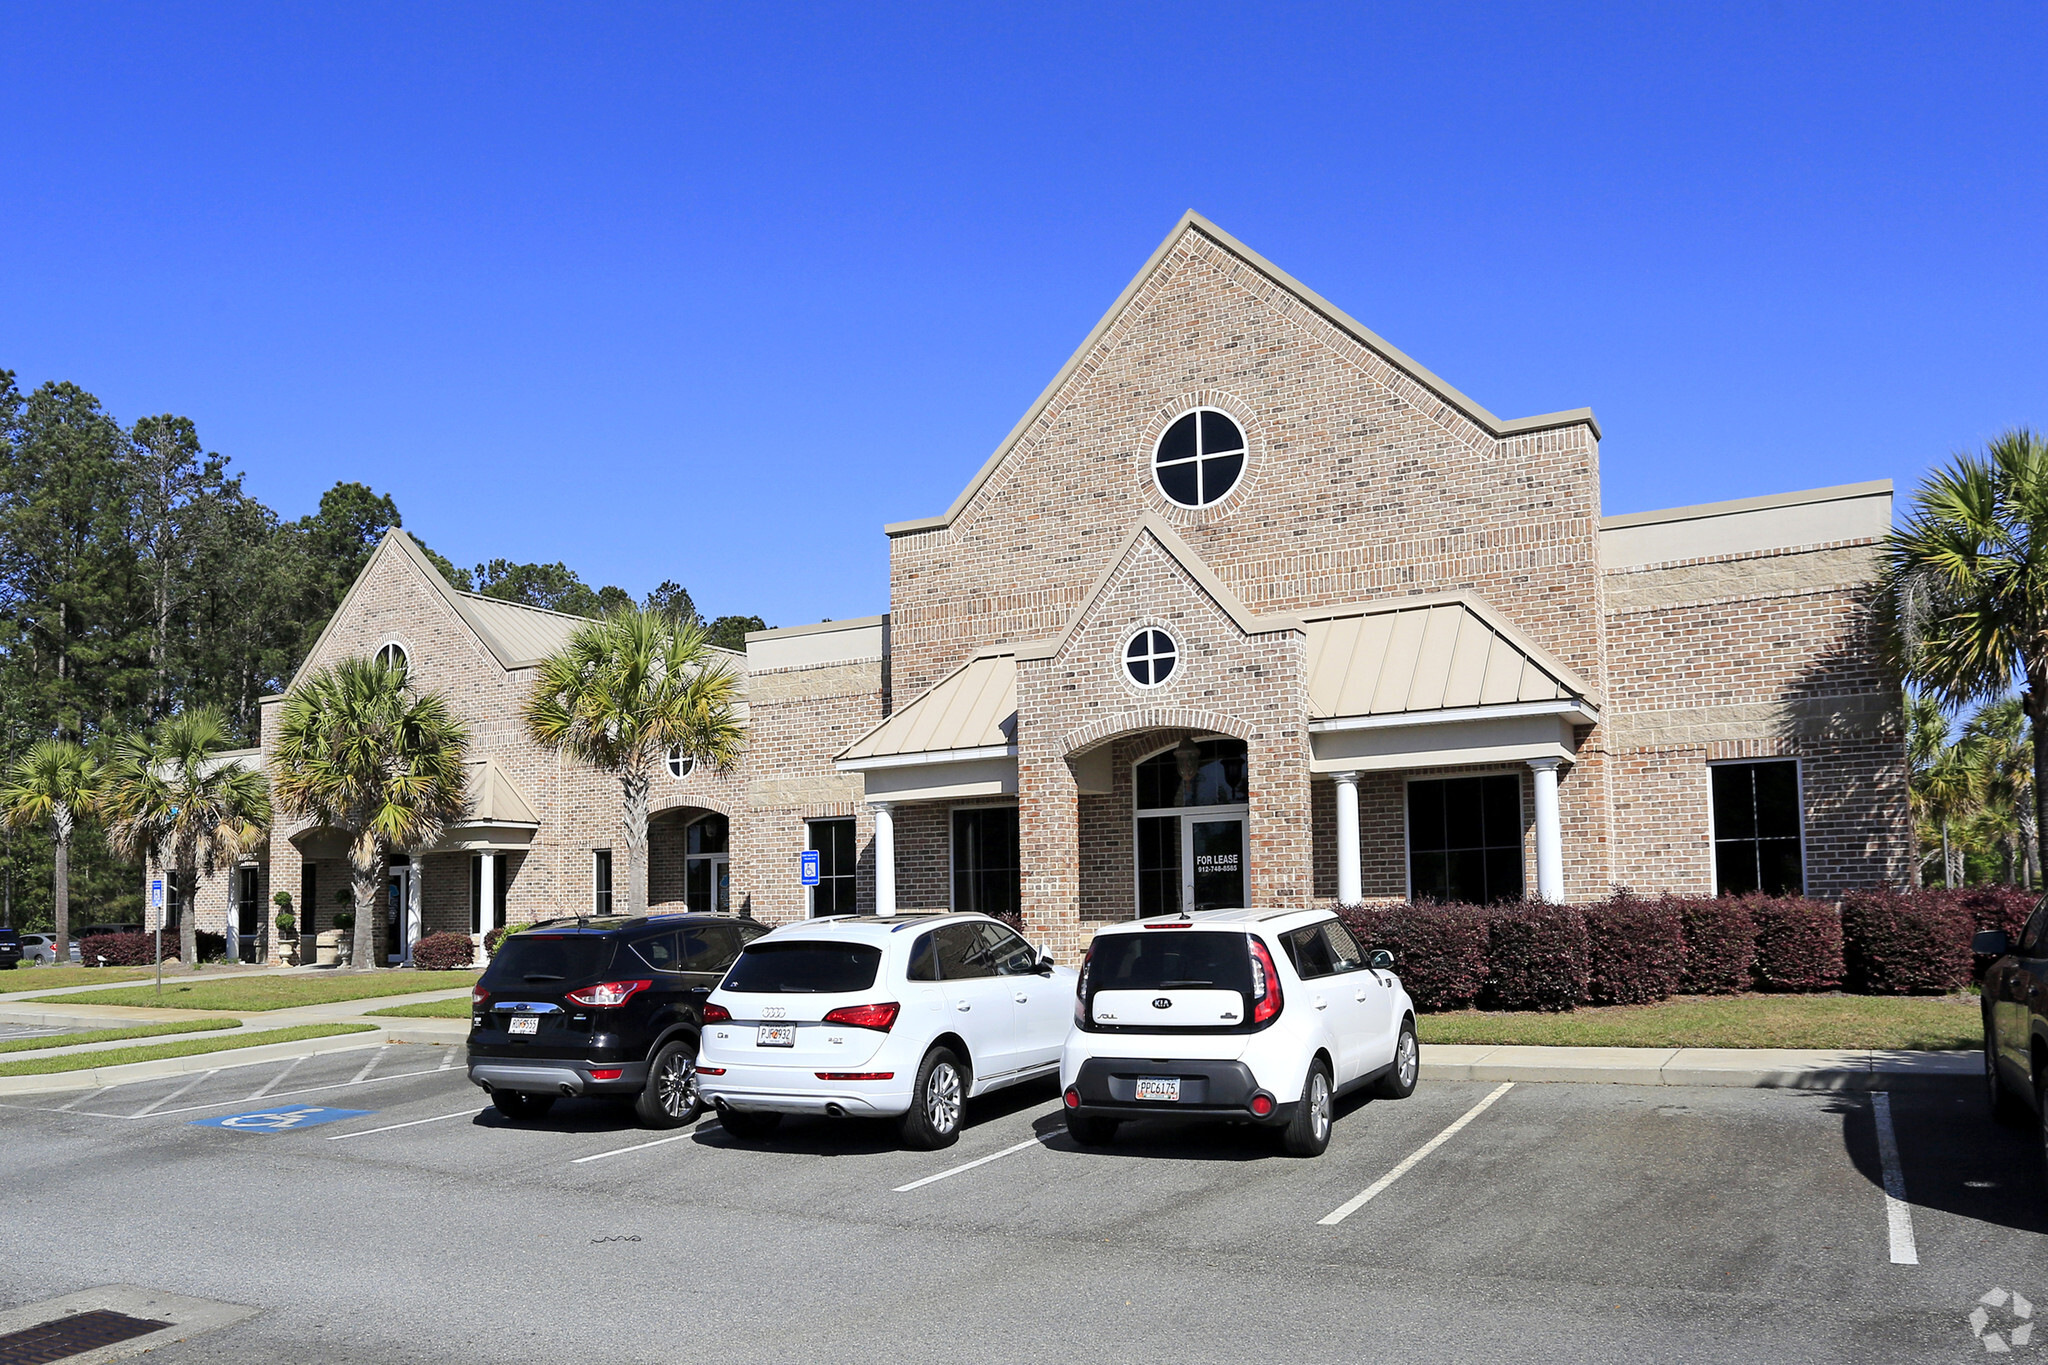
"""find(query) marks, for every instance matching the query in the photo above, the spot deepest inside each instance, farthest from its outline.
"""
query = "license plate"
(1159, 1088)
(526, 1023)
(776, 1035)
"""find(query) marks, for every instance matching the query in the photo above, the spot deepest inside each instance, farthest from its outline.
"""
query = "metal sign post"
(156, 900)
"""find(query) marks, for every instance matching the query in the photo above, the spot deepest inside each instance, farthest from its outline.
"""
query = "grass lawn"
(149, 1052)
(274, 992)
(115, 1035)
(58, 978)
(431, 1009)
(1911, 1023)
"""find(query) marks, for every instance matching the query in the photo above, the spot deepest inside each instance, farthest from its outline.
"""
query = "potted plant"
(332, 945)
(287, 928)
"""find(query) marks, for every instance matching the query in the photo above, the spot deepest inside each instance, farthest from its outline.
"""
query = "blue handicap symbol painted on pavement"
(282, 1120)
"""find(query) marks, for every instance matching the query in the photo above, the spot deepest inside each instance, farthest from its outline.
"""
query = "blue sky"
(713, 293)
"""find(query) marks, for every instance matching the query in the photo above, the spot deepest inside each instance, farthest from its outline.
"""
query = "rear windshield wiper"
(541, 976)
(1169, 985)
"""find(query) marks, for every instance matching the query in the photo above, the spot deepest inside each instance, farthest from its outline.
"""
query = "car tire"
(1091, 1130)
(938, 1102)
(1399, 1083)
(748, 1124)
(669, 1100)
(521, 1105)
(1308, 1132)
(2005, 1106)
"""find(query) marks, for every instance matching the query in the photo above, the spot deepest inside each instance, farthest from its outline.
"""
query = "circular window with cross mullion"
(1150, 657)
(1200, 458)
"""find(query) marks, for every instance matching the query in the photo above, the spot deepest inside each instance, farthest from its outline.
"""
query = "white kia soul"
(907, 1016)
(1255, 1016)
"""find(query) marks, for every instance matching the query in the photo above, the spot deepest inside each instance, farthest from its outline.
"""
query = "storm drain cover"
(73, 1335)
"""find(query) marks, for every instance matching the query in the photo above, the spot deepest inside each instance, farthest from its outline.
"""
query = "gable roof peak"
(1193, 222)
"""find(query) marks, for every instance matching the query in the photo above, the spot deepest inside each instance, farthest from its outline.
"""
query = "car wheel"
(1399, 1083)
(670, 1099)
(2005, 1106)
(521, 1104)
(1308, 1132)
(1091, 1130)
(746, 1124)
(937, 1101)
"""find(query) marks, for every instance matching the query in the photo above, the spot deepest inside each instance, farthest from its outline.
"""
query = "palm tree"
(1967, 582)
(360, 751)
(2001, 757)
(58, 781)
(623, 692)
(173, 801)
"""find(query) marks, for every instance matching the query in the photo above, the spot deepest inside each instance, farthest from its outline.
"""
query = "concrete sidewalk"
(1750, 1068)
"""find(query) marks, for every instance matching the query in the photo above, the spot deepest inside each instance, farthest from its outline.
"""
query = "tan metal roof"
(1434, 655)
(516, 633)
(495, 800)
(973, 707)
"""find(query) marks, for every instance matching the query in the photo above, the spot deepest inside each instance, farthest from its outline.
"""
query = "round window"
(392, 656)
(1149, 657)
(680, 763)
(1200, 458)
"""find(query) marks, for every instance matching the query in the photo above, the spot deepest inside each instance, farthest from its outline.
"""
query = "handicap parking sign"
(281, 1120)
(808, 865)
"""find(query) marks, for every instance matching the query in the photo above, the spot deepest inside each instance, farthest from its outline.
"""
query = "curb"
(1744, 1068)
(97, 1078)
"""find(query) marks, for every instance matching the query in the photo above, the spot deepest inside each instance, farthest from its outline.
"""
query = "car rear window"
(543, 959)
(804, 968)
(1163, 960)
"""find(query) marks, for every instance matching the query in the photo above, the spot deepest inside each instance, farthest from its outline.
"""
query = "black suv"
(10, 949)
(603, 1006)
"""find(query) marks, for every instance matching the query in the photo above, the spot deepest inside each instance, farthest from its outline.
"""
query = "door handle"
(1360, 995)
(1022, 998)
(964, 1006)
(1321, 1004)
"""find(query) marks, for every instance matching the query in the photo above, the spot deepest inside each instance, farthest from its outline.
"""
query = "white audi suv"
(903, 1016)
(1254, 1016)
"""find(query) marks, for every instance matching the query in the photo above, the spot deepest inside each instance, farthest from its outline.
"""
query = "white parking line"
(151, 1109)
(276, 1080)
(376, 1054)
(1898, 1214)
(637, 1147)
(970, 1165)
(447, 1061)
(83, 1096)
(393, 1127)
(1353, 1205)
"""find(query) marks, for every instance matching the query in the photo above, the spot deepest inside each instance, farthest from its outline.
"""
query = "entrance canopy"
(957, 740)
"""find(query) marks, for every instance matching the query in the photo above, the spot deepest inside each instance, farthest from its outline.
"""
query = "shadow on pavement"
(1952, 1156)
(1181, 1140)
(866, 1137)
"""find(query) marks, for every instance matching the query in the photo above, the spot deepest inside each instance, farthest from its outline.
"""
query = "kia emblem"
(1162, 1003)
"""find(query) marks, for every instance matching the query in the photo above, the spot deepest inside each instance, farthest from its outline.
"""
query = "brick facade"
(1366, 479)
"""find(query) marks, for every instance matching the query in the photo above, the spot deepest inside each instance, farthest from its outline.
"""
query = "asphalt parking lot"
(1528, 1222)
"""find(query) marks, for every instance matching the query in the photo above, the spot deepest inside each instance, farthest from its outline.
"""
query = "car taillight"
(1262, 1105)
(1266, 1000)
(717, 1014)
(610, 1073)
(710, 1071)
(477, 997)
(1081, 987)
(1073, 1098)
(607, 994)
(856, 1075)
(879, 1017)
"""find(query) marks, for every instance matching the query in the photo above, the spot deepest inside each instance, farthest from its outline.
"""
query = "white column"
(885, 857)
(412, 907)
(1350, 885)
(1549, 837)
(487, 895)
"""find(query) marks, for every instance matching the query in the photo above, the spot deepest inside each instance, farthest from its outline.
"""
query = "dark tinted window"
(1210, 773)
(1310, 952)
(543, 959)
(804, 968)
(2037, 925)
(837, 856)
(924, 960)
(707, 948)
(658, 951)
(1179, 441)
(1756, 829)
(1465, 839)
(985, 860)
(1007, 953)
(708, 835)
(963, 953)
(1143, 962)
(1345, 954)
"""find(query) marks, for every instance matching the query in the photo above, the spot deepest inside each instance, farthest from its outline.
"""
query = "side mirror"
(1991, 943)
(1045, 964)
(1381, 960)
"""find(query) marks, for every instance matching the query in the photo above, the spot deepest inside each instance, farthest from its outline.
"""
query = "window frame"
(601, 900)
(953, 850)
(1184, 816)
(403, 661)
(680, 764)
(1243, 451)
(811, 910)
(1524, 800)
(1799, 802)
(1124, 660)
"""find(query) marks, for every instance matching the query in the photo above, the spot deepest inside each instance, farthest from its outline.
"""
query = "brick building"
(1248, 608)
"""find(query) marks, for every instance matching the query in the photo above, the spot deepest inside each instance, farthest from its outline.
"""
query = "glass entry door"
(398, 917)
(1192, 862)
